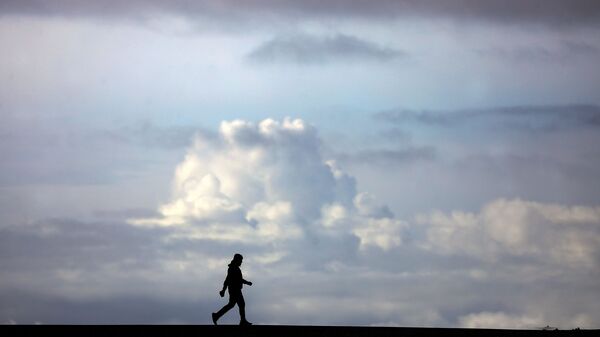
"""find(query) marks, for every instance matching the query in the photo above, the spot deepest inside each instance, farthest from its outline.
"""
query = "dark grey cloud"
(395, 134)
(580, 48)
(567, 52)
(309, 49)
(404, 155)
(530, 118)
(546, 12)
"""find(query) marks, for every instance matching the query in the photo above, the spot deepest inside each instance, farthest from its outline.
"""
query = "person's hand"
(249, 283)
(222, 293)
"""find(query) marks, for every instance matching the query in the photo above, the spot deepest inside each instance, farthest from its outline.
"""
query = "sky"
(384, 163)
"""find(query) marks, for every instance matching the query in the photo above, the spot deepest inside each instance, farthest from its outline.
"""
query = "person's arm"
(246, 282)
(225, 284)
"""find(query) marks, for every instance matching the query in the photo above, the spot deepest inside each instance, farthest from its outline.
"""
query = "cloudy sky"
(401, 163)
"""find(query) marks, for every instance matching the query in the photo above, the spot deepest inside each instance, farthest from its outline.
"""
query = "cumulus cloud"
(546, 233)
(309, 49)
(267, 182)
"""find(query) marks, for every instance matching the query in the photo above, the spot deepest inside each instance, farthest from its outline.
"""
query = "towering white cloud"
(266, 182)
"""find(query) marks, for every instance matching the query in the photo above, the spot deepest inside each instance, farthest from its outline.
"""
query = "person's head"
(237, 259)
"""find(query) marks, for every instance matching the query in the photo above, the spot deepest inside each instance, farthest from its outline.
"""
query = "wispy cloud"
(532, 118)
(565, 53)
(403, 155)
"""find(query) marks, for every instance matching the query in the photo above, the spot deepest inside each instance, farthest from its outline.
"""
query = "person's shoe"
(244, 322)
(214, 317)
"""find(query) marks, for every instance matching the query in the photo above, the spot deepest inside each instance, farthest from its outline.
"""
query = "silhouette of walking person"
(234, 282)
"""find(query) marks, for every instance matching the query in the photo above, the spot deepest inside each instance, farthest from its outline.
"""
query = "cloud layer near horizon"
(317, 250)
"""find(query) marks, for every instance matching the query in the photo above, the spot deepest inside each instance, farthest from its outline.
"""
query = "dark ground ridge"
(277, 330)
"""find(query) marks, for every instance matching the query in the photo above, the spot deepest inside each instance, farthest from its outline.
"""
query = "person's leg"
(226, 308)
(242, 306)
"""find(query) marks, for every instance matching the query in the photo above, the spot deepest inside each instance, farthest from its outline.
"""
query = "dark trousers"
(235, 297)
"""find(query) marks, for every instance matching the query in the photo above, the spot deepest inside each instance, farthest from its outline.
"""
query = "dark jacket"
(234, 278)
